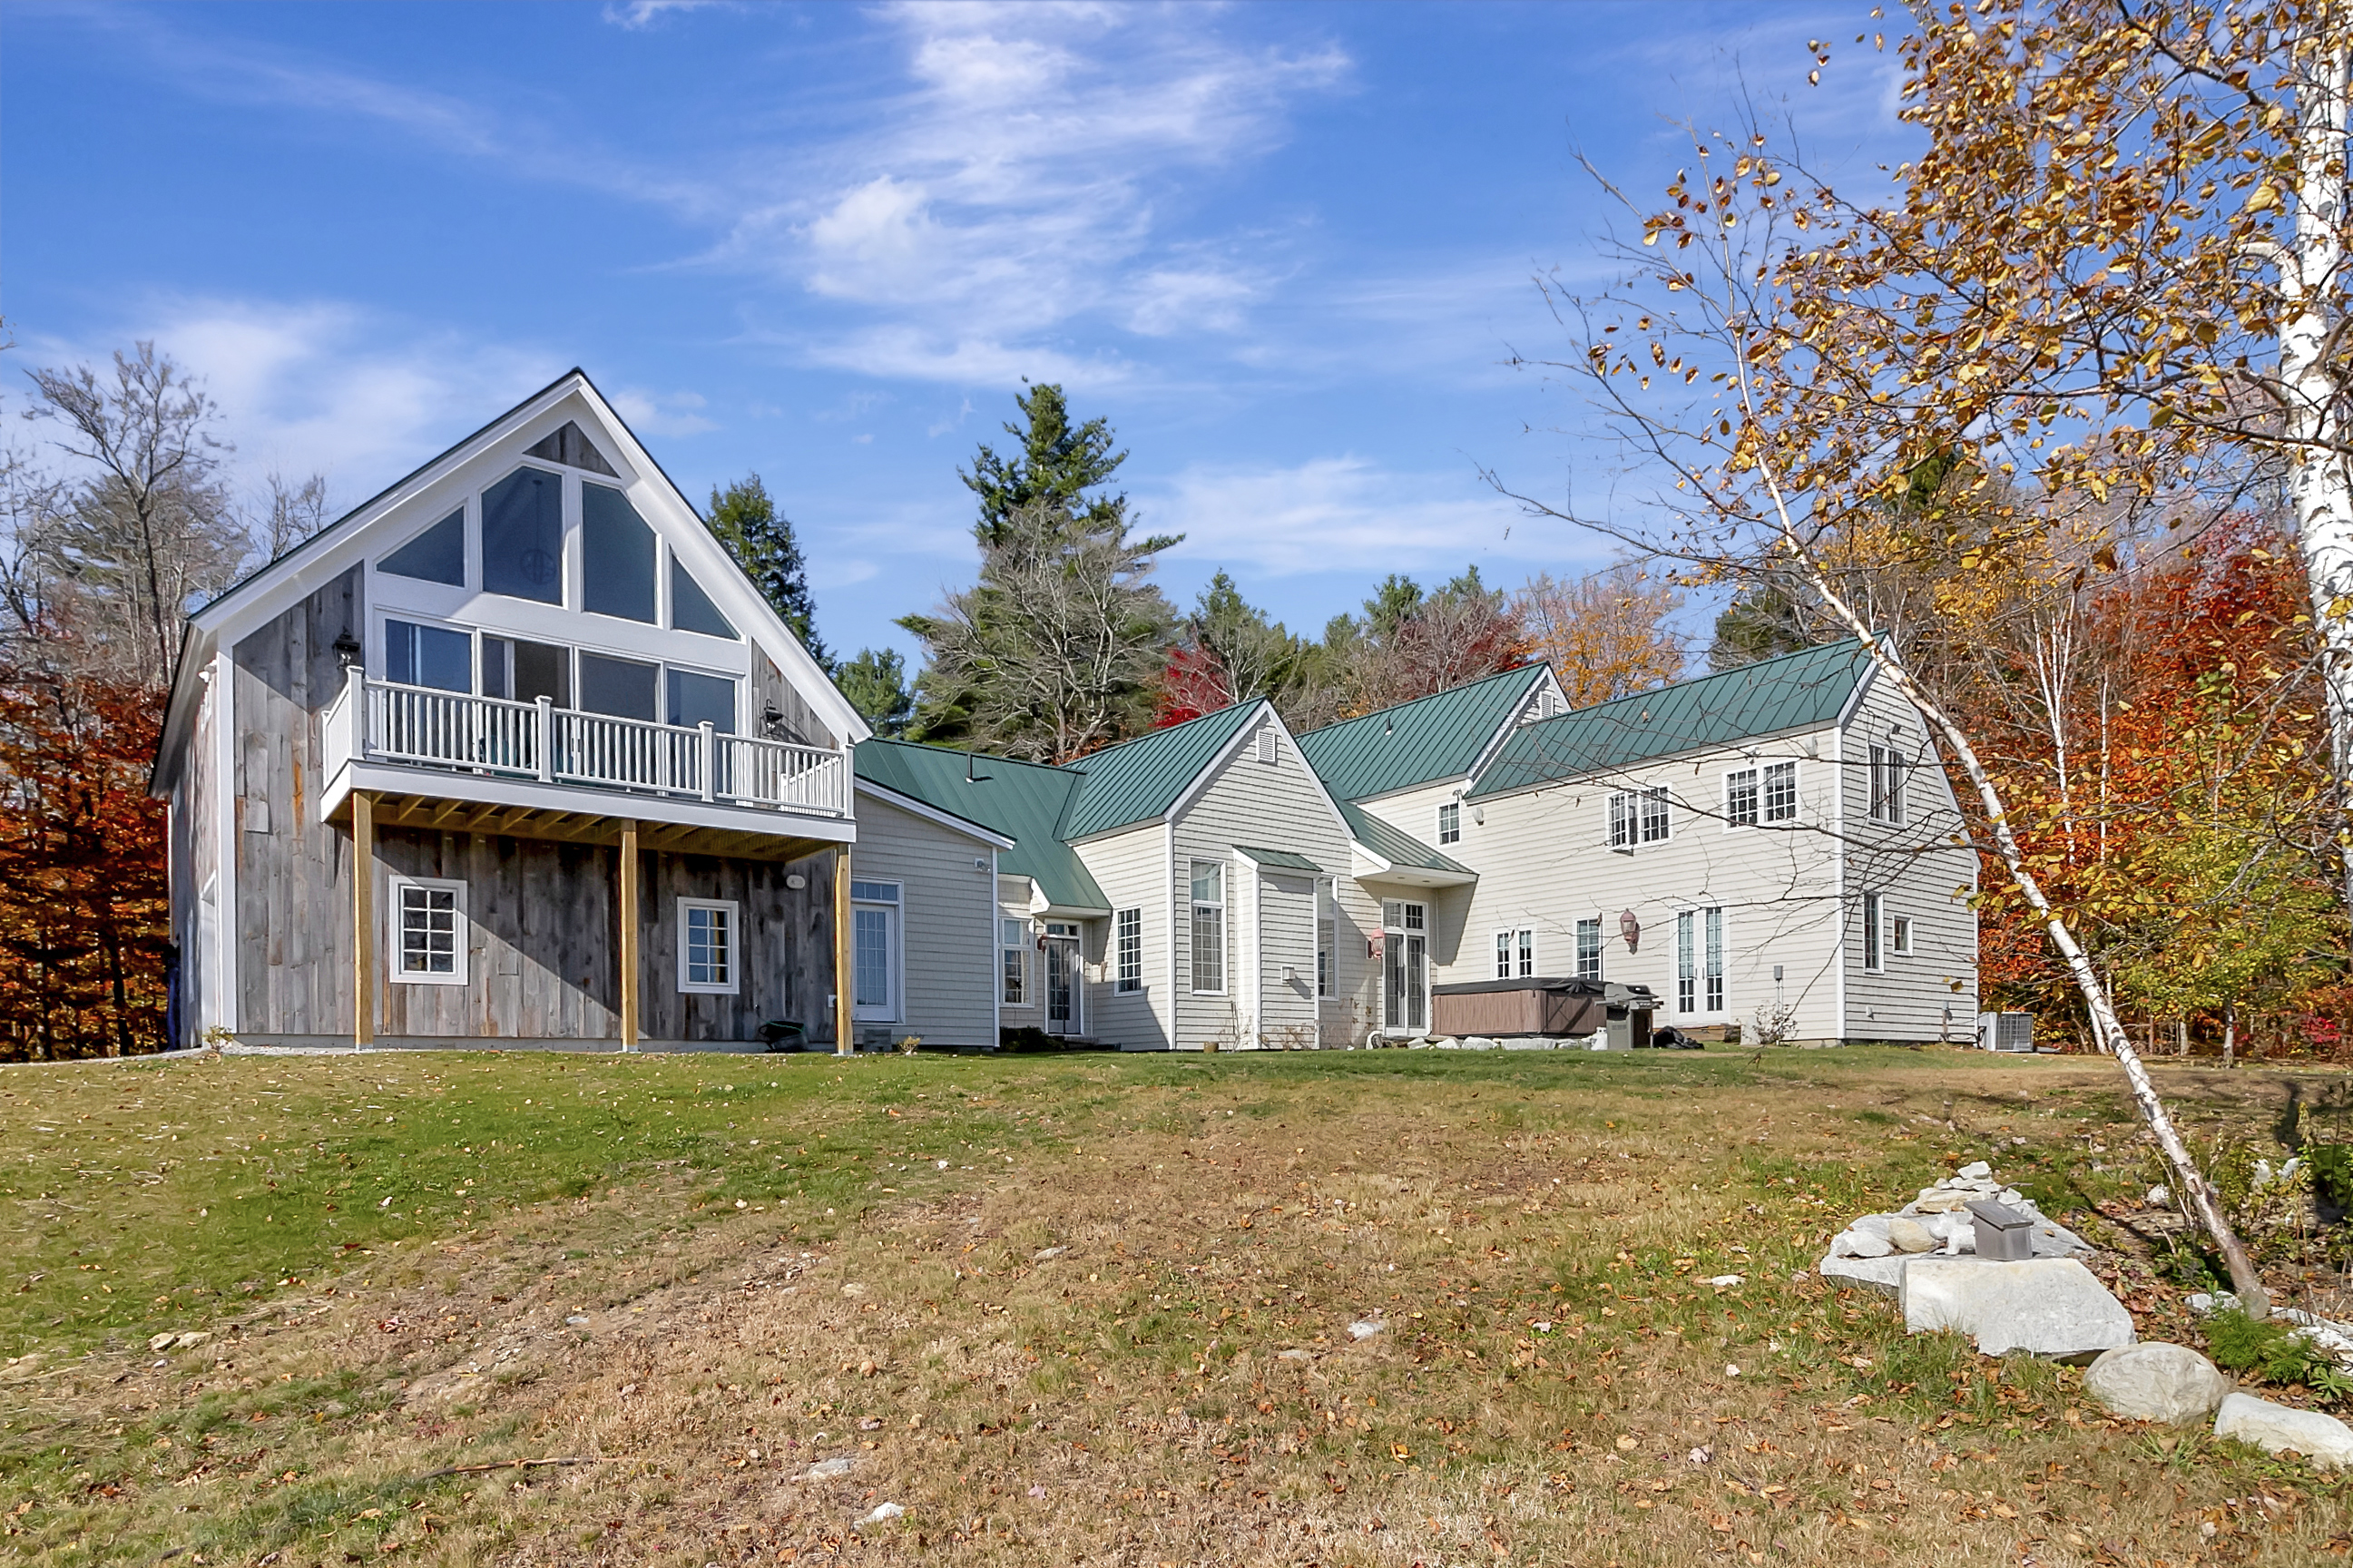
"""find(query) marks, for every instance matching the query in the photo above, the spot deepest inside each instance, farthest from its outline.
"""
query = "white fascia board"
(1225, 753)
(690, 540)
(1862, 684)
(929, 813)
(1504, 731)
(391, 778)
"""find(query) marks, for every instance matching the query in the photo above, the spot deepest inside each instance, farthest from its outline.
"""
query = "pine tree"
(761, 540)
(1056, 467)
(875, 682)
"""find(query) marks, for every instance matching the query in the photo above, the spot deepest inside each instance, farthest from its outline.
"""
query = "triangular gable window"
(690, 609)
(570, 448)
(435, 555)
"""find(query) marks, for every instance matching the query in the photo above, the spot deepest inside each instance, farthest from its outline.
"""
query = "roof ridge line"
(1425, 697)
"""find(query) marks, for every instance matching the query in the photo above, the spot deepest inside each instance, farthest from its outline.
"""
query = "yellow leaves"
(2266, 198)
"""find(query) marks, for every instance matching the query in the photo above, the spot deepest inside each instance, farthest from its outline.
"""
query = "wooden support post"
(845, 983)
(364, 939)
(628, 936)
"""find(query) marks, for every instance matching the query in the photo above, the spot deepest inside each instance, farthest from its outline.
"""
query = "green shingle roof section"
(1283, 859)
(1139, 780)
(1796, 690)
(1395, 845)
(1024, 801)
(1416, 743)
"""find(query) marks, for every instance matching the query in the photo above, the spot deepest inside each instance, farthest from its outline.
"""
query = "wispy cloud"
(324, 386)
(1347, 511)
(1023, 181)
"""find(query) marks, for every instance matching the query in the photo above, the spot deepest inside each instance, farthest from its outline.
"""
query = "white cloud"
(662, 412)
(1018, 184)
(1347, 514)
(324, 386)
(638, 15)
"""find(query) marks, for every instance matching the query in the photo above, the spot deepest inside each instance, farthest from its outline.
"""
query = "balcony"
(538, 757)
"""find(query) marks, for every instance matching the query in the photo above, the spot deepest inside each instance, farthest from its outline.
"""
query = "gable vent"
(571, 448)
(1266, 745)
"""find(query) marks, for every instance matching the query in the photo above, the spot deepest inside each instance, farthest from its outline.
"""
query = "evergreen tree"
(1056, 467)
(1056, 650)
(875, 682)
(761, 540)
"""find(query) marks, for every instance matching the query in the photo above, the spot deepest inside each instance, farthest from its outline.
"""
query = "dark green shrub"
(2275, 1352)
(2332, 1172)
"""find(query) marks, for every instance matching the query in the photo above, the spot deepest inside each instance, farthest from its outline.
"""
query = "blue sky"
(1286, 250)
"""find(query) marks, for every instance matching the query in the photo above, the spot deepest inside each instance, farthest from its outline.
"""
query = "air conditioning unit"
(2006, 1031)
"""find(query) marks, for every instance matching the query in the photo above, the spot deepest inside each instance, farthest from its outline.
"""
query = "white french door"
(1405, 967)
(874, 951)
(1062, 988)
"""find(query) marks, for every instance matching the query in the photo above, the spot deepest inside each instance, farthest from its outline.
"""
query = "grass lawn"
(1086, 1309)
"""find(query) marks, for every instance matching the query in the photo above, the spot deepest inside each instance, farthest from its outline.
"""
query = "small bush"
(2275, 1352)
(2332, 1172)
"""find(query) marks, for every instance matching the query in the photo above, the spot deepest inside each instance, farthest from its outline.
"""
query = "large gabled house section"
(1771, 848)
(512, 751)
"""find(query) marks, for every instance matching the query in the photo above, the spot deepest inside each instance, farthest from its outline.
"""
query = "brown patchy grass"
(1177, 1383)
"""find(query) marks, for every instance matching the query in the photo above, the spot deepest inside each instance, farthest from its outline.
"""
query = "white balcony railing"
(377, 721)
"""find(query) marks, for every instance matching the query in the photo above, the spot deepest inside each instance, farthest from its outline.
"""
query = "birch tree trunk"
(2318, 483)
(2198, 1193)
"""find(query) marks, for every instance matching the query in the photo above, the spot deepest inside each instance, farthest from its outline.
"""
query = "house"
(513, 752)
(1774, 846)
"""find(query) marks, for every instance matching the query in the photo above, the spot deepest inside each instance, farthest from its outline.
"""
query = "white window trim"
(1119, 983)
(1600, 951)
(1756, 772)
(464, 932)
(1514, 940)
(1450, 834)
(1889, 782)
(1874, 933)
(733, 912)
(1764, 790)
(1899, 936)
(1224, 906)
(1027, 1001)
(895, 1011)
(473, 634)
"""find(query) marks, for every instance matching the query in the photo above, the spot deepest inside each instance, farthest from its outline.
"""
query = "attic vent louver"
(570, 448)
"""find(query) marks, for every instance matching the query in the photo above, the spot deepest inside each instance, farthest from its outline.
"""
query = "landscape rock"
(884, 1513)
(1365, 1328)
(2280, 1428)
(1911, 1235)
(2157, 1382)
(825, 1470)
(2048, 1306)
(1881, 1274)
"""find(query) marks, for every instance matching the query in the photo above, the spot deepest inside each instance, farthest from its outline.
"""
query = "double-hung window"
(1130, 955)
(1013, 961)
(706, 947)
(1638, 815)
(1208, 880)
(1327, 938)
(1740, 798)
(1886, 783)
(1654, 815)
(1588, 948)
(1450, 823)
(429, 932)
(1699, 960)
(1515, 953)
(1780, 791)
(874, 951)
(1874, 915)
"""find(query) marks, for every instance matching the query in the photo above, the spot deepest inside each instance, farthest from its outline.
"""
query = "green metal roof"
(1796, 690)
(1395, 845)
(1436, 737)
(1281, 859)
(1139, 780)
(1024, 801)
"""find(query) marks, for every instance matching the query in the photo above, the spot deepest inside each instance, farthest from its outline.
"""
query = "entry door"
(1062, 990)
(1405, 967)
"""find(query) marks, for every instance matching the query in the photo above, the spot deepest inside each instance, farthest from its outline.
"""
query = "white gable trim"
(1234, 743)
(929, 813)
(354, 539)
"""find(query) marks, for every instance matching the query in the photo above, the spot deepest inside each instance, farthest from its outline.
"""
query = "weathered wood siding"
(544, 941)
(771, 689)
(292, 923)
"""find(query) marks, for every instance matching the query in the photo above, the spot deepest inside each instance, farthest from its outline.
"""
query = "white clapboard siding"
(1132, 869)
(947, 914)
